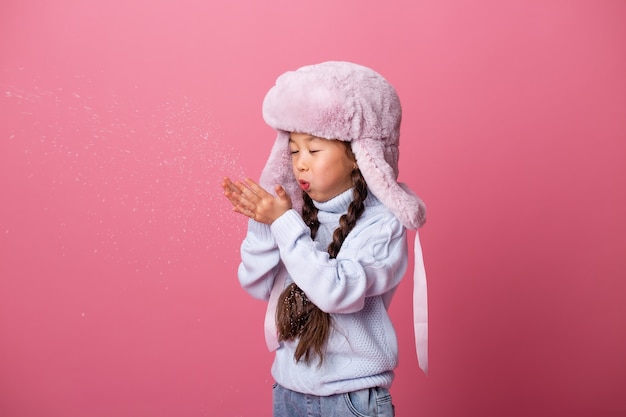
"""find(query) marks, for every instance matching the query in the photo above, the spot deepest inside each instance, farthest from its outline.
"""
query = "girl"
(328, 247)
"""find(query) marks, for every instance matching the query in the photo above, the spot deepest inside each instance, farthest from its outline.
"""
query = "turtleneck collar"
(339, 204)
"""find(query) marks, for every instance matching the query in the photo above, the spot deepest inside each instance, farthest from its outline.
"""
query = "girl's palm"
(251, 200)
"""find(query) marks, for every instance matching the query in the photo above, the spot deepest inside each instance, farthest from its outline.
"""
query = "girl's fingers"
(284, 198)
(229, 187)
(256, 188)
(251, 194)
(235, 194)
(280, 192)
(253, 201)
(246, 197)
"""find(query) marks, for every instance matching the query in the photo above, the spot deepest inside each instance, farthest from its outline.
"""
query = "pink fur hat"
(349, 102)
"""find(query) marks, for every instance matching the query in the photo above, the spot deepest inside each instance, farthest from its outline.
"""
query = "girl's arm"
(372, 261)
(260, 260)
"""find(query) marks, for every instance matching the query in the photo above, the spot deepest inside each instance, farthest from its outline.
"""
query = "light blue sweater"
(355, 288)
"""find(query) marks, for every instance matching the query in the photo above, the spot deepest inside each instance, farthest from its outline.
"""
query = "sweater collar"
(340, 203)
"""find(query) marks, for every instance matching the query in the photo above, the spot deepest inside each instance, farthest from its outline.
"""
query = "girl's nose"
(301, 164)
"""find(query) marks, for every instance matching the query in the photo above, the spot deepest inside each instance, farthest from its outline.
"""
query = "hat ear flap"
(381, 180)
(278, 171)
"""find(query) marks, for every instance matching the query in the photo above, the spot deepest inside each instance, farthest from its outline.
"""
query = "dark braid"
(309, 214)
(348, 220)
(296, 315)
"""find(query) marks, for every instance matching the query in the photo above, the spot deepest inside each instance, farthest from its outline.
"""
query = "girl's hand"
(251, 200)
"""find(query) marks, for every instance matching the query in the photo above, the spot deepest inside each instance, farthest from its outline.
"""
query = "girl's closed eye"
(295, 151)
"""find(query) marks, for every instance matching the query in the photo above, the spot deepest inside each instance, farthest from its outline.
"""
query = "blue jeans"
(371, 402)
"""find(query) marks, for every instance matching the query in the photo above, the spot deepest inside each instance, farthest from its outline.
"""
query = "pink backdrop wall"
(118, 294)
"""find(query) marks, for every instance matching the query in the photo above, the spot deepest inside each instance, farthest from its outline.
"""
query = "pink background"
(118, 253)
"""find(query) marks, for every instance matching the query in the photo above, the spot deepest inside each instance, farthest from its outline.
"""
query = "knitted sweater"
(355, 288)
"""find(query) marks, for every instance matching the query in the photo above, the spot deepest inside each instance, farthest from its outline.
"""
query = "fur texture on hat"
(348, 102)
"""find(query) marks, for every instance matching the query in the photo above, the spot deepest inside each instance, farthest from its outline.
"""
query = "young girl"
(326, 241)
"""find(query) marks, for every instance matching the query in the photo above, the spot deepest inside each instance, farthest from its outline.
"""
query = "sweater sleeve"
(372, 261)
(260, 260)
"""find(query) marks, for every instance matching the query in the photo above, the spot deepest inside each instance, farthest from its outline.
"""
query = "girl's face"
(322, 167)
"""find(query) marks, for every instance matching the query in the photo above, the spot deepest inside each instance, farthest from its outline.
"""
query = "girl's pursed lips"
(304, 184)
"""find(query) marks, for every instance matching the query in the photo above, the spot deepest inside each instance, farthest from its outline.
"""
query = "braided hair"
(296, 315)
